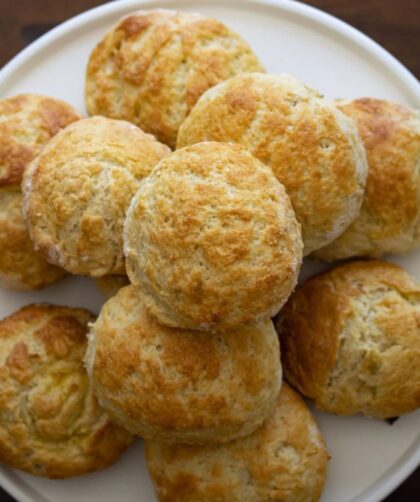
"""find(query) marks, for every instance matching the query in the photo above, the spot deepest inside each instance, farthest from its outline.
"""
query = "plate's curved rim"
(411, 457)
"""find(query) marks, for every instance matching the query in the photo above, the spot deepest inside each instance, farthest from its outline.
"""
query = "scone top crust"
(285, 461)
(152, 67)
(27, 123)
(211, 239)
(78, 189)
(389, 220)
(50, 422)
(313, 149)
(351, 340)
(179, 385)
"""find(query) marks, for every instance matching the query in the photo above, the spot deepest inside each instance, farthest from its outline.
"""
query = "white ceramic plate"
(369, 457)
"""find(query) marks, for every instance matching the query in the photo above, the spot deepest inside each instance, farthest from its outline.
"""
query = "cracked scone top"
(78, 189)
(350, 339)
(283, 461)
(50, 422)
(179, 385)
(27, 123)
(389, 219)
(151, 68)
(313, 149)
(211, 239)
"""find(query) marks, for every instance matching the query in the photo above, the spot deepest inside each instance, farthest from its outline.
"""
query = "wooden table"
(395, 24)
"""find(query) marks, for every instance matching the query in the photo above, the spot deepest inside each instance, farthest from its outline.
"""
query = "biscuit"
(351, 340)
(151, 68)
(27, 123)
(313, 149)
(283, 461)
(389, 220)
(109, 285)
(50, 423)
(211, 239)
(78, 189)
(179, 385)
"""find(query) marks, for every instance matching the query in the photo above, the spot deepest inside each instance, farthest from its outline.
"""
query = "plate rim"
(410, 459)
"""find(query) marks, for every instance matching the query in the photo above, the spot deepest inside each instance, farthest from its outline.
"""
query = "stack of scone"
(198, 249)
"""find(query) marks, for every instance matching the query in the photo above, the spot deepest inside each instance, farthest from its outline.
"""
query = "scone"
(351, 340)
(50, 422)
(78, 189)
(27, 123)
(313, 149)
(109, 285)
(211, 239)
(178, 385)
(151, 68)
(283, 461)
(389, 220)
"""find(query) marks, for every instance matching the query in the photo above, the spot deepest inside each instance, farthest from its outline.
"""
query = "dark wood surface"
(395, 24)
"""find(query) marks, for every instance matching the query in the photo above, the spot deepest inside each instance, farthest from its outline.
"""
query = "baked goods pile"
(191, 195)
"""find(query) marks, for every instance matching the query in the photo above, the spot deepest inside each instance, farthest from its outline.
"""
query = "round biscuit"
(78, 189)
(179, 385)
(151, 68)
(211, 239)
(50, 422)
(350, 339)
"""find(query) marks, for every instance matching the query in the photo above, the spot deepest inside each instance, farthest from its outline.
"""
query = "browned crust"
(346, 321)
(180, 385)
(211, 239)
(50, 422)
(27, 122)
(154, 65)
(77, 192)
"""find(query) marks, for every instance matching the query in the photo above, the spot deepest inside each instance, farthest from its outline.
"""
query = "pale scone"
(109, 285)
(50, 422)
(389, 220)
(283, 461)
(27, 123)
(313, 149)
(179, 385)
(78, 189)
(351, 340)
(151, 68)
(212, 240)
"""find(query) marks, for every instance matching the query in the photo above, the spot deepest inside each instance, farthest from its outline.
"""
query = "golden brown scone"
(180, 385)
(50, 422)
(283, 461)
(351, 340)
(109, 285)
(27, 123)
(78, 189)
(313, 149)
(212, 240)
(152, 67)
(389, 220)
